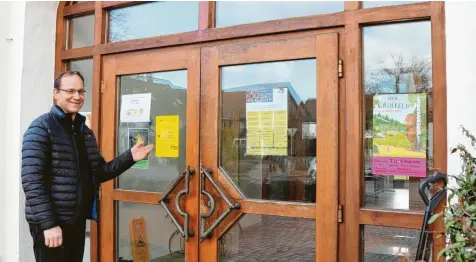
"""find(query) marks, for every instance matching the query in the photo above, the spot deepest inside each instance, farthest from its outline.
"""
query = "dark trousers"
(72, 249)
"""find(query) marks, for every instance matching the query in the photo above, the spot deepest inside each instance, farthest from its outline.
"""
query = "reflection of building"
(292, 167)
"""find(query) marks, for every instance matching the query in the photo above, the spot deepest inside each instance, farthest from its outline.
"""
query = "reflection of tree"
(117, 25)
(416, 71)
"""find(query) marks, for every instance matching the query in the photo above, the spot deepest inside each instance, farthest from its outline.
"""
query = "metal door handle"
(205, 172)
(164, 200)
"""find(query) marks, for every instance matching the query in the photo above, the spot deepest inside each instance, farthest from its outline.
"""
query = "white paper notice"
(135, 108)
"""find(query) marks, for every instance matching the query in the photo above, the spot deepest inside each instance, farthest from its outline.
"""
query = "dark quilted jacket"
(50, 170)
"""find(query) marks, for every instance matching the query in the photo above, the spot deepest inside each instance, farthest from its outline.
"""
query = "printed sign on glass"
(399, 135)
(267, 122)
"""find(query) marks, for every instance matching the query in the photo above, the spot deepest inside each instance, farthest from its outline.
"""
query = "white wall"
(460, 73)
(11, 47)
(27, 40)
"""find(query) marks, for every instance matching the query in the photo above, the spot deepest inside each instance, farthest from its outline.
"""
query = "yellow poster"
(167, 136)
(267, 122)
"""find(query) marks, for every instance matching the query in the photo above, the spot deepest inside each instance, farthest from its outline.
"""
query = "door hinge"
(102, 87)
(339, 214)
(340, 69)
(100, 192)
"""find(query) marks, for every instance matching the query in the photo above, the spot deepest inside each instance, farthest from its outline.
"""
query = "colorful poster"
(267, 122)
(135, 108)
(167, 140)
(399, 135)
(138, 135)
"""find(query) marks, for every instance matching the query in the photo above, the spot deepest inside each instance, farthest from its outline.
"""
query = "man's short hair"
(57, 83)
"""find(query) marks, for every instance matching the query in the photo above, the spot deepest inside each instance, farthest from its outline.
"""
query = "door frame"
(351, 20)
(133, 63)
(324, 47)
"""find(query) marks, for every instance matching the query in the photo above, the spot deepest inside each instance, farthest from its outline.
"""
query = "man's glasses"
(73, 91)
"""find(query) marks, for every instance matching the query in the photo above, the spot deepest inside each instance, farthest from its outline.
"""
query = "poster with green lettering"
(399, 135)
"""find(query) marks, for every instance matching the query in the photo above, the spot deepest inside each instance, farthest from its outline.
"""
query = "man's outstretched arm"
(117, 166)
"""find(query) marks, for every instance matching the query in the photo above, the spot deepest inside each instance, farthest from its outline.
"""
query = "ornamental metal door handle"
(165, 200)
(205, 172)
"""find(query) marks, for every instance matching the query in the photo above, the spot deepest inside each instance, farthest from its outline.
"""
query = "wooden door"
(153, 96)
(269, 150)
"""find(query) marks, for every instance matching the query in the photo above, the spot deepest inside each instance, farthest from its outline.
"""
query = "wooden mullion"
(385, 218)
(69, 35)
(270, 208)
(438, 47)
(120, 4)
(353, 137)
(209, 115)
(206, 15)
(108, 148)
(96, 112)
(80, 9)
(60, 44)
(352, 5)
(327, 169)
(136, 196)
(392, 13)
(79, 53)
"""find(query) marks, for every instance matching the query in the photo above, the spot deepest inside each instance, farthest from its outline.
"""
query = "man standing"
(62, 169)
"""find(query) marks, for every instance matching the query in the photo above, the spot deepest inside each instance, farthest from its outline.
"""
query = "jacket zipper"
(78, 189)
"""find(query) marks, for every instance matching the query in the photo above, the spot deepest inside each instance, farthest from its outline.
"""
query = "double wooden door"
(245, 159)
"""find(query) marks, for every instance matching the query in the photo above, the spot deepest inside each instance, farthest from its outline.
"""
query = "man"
(61, 172)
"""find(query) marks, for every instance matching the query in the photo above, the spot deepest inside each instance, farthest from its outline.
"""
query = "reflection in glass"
(85, 67)
(83, 31)
(371, 4)
(169, 98)
(268, 129)
(390, 244)
(231, 13)
(399, 114)
(269, 238)
(152, 19)
(163, 239)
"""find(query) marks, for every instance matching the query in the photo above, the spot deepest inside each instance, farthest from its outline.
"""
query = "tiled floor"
(269, 238)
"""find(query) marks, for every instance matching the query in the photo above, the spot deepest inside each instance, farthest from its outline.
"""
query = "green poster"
(138, 135)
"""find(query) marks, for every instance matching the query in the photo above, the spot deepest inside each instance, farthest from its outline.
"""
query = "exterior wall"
(27, 40)
(461, 79)
(27, 35)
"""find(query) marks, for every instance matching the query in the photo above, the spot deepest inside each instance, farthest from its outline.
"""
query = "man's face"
(70, 96)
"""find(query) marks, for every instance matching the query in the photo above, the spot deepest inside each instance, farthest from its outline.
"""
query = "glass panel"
(85, 67)
(83, 31)
(370, 4)
(399, 114)
(275, 238)
(390, 244)
(168, 91)
(163, 239)
(236, 13)
(152, 19)
(268, 129)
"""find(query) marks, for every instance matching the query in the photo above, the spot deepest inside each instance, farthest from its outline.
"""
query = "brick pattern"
(271, 239)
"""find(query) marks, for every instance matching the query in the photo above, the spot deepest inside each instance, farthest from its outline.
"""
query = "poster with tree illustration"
(399, 135)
